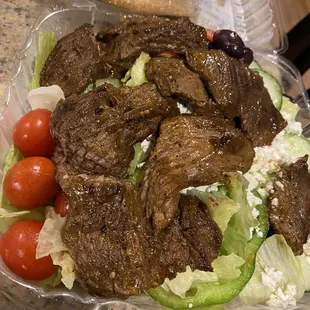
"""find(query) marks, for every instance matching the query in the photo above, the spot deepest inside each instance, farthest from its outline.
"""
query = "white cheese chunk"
(283, 298)
(271, 278)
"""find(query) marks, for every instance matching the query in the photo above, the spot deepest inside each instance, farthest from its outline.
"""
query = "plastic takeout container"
(260, 25)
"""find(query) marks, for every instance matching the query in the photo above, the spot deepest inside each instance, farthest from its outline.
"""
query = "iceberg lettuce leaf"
(64, 260)
(184, 281)
(305, 269)
(138, 158)
(50, 240)
(238, 231)
(46, 43)
(50, 243)
(115, 82)
(227, 267)
(135, 76)
(276, 268)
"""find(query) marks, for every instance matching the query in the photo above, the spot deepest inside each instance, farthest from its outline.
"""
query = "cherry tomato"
(210, 34)
(31, 183)
(18, 250)
(61, 204)
(32, 134)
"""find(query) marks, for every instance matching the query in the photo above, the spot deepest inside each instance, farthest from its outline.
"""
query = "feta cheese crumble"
(283, 298)
(146, 144)
(274, 202)
(183, 109)
(259, 232)
(280, 297)
(271, 278)
(280, 185)
(269, 159)
(292, 125)
(205, 188)
(255, 212)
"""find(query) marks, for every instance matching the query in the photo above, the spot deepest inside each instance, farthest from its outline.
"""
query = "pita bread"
(161, 7)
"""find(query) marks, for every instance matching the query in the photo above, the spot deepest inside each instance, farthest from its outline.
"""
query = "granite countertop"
(16, 17)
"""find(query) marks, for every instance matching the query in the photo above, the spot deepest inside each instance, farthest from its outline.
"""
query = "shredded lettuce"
(139, 158)
(184, 281)
(115, 82)
(238, 231)
(46, 43)
(50, 240)
(227, 267)
(276, 270)
(64, 260)
(50, 243)
(135, 173)
(89, 88)
(135, 76)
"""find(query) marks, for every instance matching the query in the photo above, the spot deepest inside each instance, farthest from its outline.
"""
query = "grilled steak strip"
(191, 151)
(123, 43)
(75, 62)
(96, 132)
(173, 78)
(239, 93)
(289, 204)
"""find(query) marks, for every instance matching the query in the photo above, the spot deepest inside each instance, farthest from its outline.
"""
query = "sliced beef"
(173, 78)
(200, 231)
(125, 42)
(191, 151)
(103, 236)
(239, 93)
(96, 132)
(75, 62)
(116, 253)
(289, 204)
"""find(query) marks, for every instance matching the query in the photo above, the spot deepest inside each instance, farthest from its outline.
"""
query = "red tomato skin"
(18, 250)
(61, 204)
(32, 134)
(31, 183)
(210, 34)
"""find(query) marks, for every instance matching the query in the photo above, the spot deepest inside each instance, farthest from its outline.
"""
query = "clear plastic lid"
(258, 22)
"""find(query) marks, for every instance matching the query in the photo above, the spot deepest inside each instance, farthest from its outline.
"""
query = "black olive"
(235, 51)
(247, 57)
(229, 42)
(223, 38)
